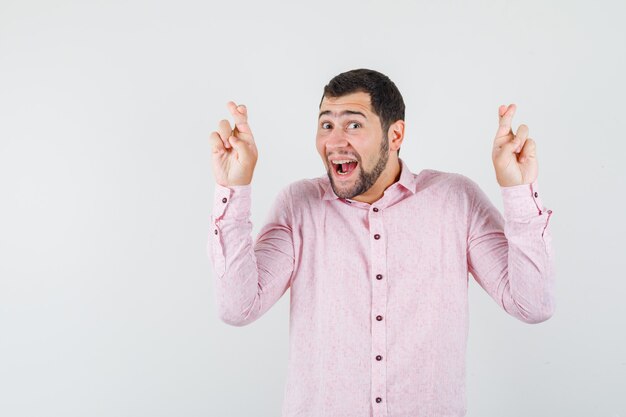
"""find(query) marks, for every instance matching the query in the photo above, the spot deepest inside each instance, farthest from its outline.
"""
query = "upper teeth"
(345, 161)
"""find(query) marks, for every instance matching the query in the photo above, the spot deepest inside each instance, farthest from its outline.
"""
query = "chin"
(349, 187)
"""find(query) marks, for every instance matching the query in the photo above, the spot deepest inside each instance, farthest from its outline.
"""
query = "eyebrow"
(343, 113)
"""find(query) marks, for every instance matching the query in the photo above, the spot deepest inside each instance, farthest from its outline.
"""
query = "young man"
(377, 257)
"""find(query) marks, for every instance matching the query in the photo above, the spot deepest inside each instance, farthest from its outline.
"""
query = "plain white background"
(106, 292)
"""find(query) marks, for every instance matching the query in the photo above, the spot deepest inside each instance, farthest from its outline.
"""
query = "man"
(377, 257)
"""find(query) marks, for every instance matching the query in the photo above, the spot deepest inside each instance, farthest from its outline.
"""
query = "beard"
(365, 179)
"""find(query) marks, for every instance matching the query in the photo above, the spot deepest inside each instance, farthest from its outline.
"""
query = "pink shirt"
(379, 300)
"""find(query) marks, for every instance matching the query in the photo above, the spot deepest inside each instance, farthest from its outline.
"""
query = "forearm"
(250, 277)
(231, 253)
(530, 272)
(511, 256)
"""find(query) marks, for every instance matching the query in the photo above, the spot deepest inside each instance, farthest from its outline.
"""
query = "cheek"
(369, 156)
(320, 145)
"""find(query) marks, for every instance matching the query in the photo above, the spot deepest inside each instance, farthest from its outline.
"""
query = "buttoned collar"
(406, 181)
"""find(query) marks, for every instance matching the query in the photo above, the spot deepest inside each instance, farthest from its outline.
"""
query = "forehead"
(354, 101)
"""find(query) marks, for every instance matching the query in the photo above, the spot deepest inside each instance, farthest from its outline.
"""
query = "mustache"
(342, 155)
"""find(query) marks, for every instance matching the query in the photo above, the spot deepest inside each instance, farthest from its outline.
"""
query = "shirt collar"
(407, 180)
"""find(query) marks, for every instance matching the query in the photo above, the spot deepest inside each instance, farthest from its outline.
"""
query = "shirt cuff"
(522, 201)
(233, 201)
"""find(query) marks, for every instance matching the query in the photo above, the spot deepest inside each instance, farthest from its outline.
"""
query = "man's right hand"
(234, 152)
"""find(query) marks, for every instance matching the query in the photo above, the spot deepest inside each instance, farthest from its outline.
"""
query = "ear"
(395, 134)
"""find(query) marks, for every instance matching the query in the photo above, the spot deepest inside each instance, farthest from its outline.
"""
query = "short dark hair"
(387, 102)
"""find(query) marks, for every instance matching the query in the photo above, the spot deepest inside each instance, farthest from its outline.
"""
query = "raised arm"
(250, 276)
(511, 257)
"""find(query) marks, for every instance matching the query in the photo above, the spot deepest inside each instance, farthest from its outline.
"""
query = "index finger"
(240, 114)
(505, 118)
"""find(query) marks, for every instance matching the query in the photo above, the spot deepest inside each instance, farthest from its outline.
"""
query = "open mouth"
(344, 167)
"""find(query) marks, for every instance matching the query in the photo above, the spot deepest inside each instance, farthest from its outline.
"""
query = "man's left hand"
(514, 156)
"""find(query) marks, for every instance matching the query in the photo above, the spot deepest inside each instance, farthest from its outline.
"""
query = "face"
(351, 143)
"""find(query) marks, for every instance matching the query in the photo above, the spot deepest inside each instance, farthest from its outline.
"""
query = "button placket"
(378, 243)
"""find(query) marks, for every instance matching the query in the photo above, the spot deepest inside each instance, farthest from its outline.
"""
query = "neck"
(389, 176)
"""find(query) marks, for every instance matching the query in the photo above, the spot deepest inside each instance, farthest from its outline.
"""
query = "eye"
(326, 125)
(354, 125)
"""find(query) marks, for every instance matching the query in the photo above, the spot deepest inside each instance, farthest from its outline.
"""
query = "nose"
(336, 140)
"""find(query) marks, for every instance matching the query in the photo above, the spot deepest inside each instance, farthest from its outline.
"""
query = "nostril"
(336, 142)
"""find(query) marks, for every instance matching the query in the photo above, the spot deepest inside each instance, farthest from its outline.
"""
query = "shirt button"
(379, 318)
(378, 399)
(224, 200)
(379, 276)
(215, 231)
(376, 236)
(536, 194)
(376, 209)
(379, 358)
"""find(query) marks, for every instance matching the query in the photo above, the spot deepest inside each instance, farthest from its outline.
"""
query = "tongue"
(347, 168)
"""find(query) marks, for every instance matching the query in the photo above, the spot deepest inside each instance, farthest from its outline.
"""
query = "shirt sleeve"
(511, 257)
(250, 277)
